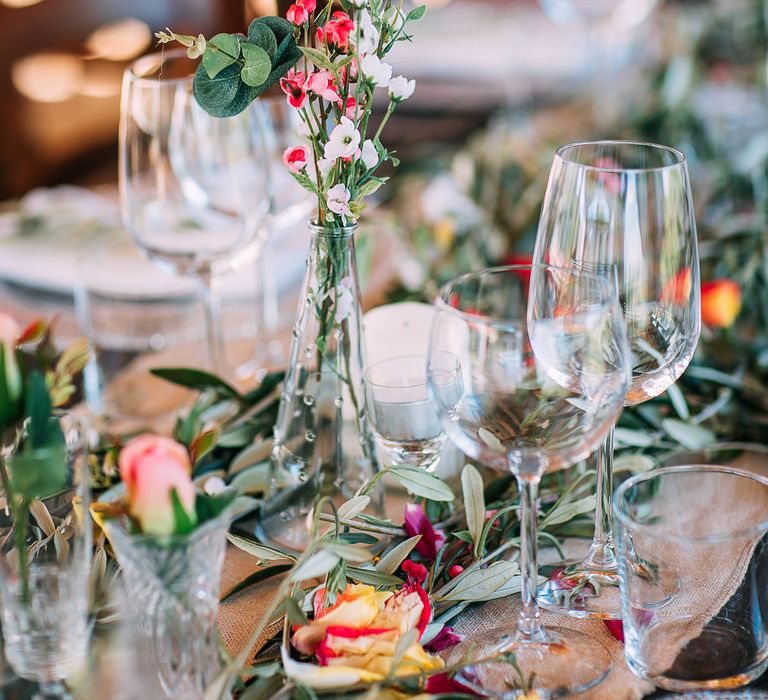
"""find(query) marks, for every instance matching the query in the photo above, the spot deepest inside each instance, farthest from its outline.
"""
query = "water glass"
(693, 565)
(404, 413)
(45, 612)
(136, 317)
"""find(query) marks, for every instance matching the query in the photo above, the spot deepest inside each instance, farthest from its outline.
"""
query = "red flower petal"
(417, 523)
(616, 628)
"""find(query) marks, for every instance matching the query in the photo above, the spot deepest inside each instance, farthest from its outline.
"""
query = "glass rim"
(679, 156)
(411, 356)
(627, 521)
(442, 304)
(156, 59)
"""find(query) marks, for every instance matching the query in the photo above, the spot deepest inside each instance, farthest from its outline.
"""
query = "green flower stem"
(18, 512)
(390, 110)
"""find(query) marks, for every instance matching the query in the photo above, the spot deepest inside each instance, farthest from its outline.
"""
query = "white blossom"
(343, 142)
(377, 72)
(338, 200)
(345, 302)
(401, 88)
(369, 35)
(324, 167)
(370, 155)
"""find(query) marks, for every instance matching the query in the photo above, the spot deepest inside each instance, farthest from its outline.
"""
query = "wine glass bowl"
(193, 188)
(544, 370)
(624, 210)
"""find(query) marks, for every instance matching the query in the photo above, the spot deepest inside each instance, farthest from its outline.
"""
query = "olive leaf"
(389, 563)
(422, 483)
(474, 503)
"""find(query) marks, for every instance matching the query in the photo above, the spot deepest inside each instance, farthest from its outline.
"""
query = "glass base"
(284, 529)
(580, 591)
(565, 662)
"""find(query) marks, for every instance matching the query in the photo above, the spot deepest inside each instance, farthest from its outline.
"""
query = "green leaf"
(39, 473)
(261, 35)
(633, 438)
(203, 444)
(474, 503)
(196, 379)
(678, 401)
(694, 437)
(478, 584)
(422, 483)
(256, 577)
(294, 613)
(318, 58)
(255, 479)
(257, 65)
(416, 14)
(279, 26)
(348, 552)
(288, 60)
(390, 562)
(183, 522)
(353, 507)
(568, 511)
(267, 386)
(371, 577)
(217, 95)
(318, 564)
(260, 551)
(635, 463)
(464, 536)
(357, 538)
(38, 408)
(221, 51)
(210, 506)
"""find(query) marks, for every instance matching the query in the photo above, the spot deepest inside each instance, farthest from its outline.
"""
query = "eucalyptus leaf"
(263, 36)
(422, 483)
(257, 66)
(279, 26)
(221, 51)
(318, 564)
(217, 96)
(694, 437)
(260, 551)
(474, 503)
(391, 561)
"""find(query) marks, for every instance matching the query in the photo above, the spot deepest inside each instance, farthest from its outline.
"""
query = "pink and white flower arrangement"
(334, 92)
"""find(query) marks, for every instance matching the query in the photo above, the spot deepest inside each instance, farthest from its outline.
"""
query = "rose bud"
(720, 303)
(151, 468)
(11, 388)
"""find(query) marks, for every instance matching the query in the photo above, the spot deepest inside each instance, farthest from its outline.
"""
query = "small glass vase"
(44, 592)
(172, 585)
(323, 442)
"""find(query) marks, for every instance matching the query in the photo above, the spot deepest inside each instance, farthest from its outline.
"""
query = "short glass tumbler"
(173, 588)
(45, 611)
(693, 566)
(405, 413)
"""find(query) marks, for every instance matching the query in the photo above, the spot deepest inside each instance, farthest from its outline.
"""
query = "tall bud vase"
(323, 443)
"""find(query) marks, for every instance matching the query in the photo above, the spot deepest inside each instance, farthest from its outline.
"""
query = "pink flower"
(321, 83)
(297, 14)
(151, 468)
(616, 628)
(417, 523)
(293, 86)
(351, 107)
(296, 158)
(337, 30)
(445, 639)
(9, 330)
(443, 683)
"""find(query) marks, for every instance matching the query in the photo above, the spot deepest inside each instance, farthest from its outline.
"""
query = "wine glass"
(193, 188)
(544, 371)
(624, 210)
(404, 413)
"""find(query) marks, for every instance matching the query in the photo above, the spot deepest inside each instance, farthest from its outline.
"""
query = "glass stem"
(210, 295)
(529, 626)
(602, 555)
(52, 690)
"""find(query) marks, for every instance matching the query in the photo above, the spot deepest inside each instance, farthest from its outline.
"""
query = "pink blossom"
(445, 639)
(417, 523)
(337, 30)
(293, 86)
(321, 83)
(296, 158)
(351, 107)
(297, 14)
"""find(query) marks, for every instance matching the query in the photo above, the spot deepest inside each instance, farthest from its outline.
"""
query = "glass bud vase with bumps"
(323, 441)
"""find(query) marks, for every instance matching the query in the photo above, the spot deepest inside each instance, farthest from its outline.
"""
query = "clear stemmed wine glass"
(624, 210)
(192, 187)
(544, 371)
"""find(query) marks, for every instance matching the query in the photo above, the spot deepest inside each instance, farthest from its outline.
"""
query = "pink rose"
(296, 158)
(297, 14)
(151, 467)
(321, 83)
